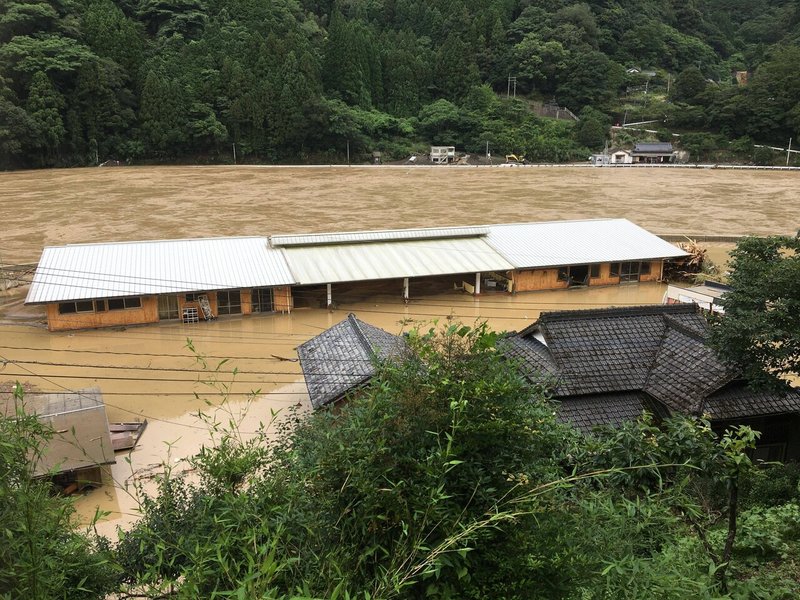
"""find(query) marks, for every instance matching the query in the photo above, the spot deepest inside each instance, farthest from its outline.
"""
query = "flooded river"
(131, 203)
(148, 373)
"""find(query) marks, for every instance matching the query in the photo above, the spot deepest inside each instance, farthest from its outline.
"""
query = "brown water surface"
(53, 207)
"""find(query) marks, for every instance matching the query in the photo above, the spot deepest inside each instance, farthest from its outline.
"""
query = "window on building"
(193, 297)
(229, 302)
(100, 305)
(629, 271)
(563, 273)
(644, 269)
(81, 306)
(123, 303)
(262, 300)
(595, 271)
(168, 307)
(614, 272)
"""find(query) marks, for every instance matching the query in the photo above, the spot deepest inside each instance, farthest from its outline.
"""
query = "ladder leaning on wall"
(205, 307)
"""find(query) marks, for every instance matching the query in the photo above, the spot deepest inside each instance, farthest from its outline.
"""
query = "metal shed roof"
(390, 260)
(354, 237)
(83, 271)
(81, 435)
(560, 243)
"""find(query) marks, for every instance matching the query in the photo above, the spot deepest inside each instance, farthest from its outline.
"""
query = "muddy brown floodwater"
(42, 208)
(148, 373)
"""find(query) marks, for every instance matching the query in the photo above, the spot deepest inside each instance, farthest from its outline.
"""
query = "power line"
(151, 417)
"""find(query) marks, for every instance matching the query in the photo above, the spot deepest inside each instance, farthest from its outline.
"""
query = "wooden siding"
(605, 276)
(147, 313)
(282, 299)
(212, 301)
(246, 297)
(655, 271)
(537, 279)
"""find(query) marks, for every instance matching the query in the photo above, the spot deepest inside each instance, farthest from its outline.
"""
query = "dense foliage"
(447, 476)
(83, 81)
(760, 332)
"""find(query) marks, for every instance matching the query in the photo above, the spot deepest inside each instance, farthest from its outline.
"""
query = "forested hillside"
(83, 81)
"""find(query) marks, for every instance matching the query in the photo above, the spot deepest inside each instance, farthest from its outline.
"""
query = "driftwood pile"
(687, 268)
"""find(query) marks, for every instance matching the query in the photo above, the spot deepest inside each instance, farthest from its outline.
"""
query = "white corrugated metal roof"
(559, 243)
(354, 237)
(83, 271)
(390, 260)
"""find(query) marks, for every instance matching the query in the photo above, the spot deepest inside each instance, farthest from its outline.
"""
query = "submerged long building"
(125, 283)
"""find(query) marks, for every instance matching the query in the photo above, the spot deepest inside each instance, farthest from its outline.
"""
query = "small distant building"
(599, 160)
(81, 441)
(652, 153)
(707, 296)
(441, 155)
(621, 157)
(343, 358)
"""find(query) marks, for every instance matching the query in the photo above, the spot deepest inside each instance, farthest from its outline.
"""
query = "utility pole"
(348, 152)
(234, 152)
(788, 152)
(512, 81)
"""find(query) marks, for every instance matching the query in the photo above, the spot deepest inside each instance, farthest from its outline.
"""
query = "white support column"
(330, 295)
(405, 289)
(477, 284)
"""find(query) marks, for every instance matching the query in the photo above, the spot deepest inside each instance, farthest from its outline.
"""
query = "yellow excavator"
(514, 159)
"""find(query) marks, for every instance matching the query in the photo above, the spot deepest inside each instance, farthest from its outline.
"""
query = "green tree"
(44, 107)
(42, 555)
(760, 332)
(688, 85)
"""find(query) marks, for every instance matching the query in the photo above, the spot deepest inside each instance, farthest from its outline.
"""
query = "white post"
(405, 289)
(788, 152)
(477, 284)
(330, 295)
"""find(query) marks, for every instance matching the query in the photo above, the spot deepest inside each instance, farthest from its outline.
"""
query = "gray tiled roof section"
(384, 344)
(603, 354)
(685, 371)
(586, 412)
(344, 357)
(533, 357)
(738, 400)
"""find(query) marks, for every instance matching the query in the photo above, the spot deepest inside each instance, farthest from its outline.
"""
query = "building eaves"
(87, 271)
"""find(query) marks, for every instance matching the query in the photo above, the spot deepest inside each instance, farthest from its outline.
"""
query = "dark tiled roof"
(606, 361)
(532, 356)
(653, 148)
(586, 412)
(737, 400)
(344, 357)
(685, 371)
(608, 350)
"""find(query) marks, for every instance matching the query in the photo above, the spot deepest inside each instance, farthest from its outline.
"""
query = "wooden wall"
(147, 313)
(655, 271)
(605, 276)
(247, 301)
(537, 279)
(547, 279)
(212, 302)
(282, 299)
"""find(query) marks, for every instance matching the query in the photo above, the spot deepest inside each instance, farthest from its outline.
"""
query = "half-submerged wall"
(89, 314)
